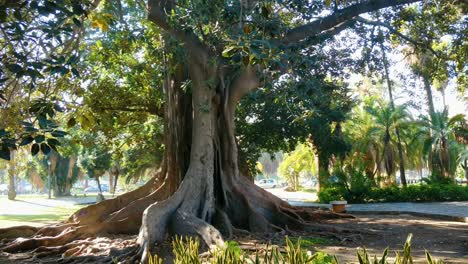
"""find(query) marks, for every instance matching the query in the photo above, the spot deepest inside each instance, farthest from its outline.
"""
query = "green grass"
(37, 218)
(307, 242)
(55, 214)
(311, 190)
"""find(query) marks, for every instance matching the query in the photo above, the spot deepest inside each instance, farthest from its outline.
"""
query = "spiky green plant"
(154, 259)
(232, 253)
(186, 251)
(295, 254)
(363, 257)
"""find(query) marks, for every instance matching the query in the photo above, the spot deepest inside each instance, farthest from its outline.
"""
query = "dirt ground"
(445, 240)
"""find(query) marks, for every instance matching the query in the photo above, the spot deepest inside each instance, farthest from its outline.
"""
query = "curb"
(454, 218)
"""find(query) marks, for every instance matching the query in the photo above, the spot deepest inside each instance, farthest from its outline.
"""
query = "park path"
(452, 210)
(40, 205)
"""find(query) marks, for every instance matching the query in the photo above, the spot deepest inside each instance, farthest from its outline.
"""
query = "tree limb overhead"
(313, 28)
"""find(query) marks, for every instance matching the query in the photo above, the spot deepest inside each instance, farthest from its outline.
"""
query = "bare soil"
(445, 240)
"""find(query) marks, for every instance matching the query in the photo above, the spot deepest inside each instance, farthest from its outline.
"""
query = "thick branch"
(157, 13)
(313, 28)
(246, 82)
(154, 110)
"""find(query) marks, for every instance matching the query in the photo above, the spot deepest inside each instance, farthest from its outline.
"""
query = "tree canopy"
(196, 90)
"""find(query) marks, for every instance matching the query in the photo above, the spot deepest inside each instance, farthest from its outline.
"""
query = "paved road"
(307, 197)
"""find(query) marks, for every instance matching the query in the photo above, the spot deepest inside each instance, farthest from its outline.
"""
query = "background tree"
(387, 121)
(301, 160)
(440, 144)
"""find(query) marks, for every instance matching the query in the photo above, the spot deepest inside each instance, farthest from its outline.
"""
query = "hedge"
(412, 193)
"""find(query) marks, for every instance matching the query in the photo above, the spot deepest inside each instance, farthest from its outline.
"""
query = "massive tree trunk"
(213, 196)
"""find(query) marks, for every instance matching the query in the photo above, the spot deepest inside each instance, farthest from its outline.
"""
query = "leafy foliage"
(412, 193)
(186, 249)
(301, 160)
(441, 147)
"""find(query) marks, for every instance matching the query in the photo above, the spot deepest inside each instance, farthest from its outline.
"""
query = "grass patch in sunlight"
(311, 241)
(51, 215)
(311, 190)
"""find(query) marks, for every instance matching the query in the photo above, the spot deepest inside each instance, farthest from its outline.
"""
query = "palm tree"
(366, 148)
(392, 105)
(442, 146)
(387, 120)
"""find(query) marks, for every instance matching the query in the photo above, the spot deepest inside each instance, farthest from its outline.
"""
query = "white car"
(3, 188)
(267, 183)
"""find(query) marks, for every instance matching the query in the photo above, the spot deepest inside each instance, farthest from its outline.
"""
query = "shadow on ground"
(445, 240)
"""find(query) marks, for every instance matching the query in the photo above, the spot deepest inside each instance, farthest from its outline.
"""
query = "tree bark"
(111, 181)
(11, 176)
(465, 168)
(392, 105)
(323, 171)
(429, 98)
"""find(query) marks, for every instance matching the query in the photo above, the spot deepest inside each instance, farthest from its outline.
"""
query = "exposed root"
(185, 224)
(90, 221)
(99, 211)
(190, 211)
(17, 231)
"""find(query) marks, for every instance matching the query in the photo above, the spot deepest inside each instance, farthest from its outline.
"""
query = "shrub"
(330, 194)
(412, 193)
(353, 184)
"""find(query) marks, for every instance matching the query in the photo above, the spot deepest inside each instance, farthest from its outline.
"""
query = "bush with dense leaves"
(412, 193)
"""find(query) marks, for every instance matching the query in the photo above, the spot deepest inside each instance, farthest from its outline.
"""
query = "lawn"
(34, 210)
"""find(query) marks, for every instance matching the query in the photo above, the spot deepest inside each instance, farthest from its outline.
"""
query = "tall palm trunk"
(323, 173)
(392, 105)
(430, 100)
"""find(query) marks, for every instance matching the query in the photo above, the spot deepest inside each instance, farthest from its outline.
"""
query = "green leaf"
(4, 153)
(53, 142)
(77, 22)
(39, 138)
(75, 72)
(34, 149)
(58, 133)
(229, 51)
(26, 141)
(71, 122)
(15, 68)
(45, 148)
